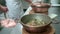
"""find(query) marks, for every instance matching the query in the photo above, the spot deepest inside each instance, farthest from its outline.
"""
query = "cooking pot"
(40, 7)
(26, 18)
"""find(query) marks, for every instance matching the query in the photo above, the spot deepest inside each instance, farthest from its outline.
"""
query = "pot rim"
(35, 26)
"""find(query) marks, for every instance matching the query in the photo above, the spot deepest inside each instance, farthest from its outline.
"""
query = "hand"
(8, 23)
(3, 8)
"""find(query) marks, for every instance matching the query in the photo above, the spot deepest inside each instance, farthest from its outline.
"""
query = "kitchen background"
(54, 9)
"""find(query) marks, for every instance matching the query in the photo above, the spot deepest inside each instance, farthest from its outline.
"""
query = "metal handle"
(5, 15)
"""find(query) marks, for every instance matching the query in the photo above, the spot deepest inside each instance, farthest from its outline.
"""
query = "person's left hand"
(3, 8)
(8, 23)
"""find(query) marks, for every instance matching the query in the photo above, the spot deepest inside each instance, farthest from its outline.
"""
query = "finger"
(10, 25)
(4, 21)
(3, 24)
(6, 26)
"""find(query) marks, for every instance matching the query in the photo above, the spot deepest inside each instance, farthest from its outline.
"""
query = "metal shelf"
(55, 4)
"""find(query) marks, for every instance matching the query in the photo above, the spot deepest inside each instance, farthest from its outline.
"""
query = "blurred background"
(54, 9)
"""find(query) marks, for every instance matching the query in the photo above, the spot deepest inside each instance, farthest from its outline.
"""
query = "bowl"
(39, 20)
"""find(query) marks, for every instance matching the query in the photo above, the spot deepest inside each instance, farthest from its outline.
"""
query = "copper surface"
(50, 30)
(32, 12)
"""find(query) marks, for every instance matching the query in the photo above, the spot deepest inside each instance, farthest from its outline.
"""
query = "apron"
(15, 9)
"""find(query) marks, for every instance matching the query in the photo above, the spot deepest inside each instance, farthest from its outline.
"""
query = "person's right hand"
(8, 23)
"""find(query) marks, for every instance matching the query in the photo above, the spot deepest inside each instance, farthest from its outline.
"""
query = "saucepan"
(40, 6)
(35, 22)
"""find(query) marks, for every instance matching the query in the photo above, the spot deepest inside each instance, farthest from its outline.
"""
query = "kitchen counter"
(18, 28)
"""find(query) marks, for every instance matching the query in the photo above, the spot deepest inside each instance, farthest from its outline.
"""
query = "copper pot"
(25, 19)
(40, 7)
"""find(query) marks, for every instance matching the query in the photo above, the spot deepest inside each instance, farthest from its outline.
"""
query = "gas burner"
(49, 30)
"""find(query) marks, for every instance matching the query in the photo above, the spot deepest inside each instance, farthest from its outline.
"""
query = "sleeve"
(15, 9)
(2, 2)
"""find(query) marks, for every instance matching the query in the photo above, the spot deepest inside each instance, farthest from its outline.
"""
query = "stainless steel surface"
(55, 1)
(15, 30)
(46, 1)
(55, 5)
(56, 10)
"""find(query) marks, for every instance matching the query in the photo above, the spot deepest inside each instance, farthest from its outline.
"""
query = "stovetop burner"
(49, 30)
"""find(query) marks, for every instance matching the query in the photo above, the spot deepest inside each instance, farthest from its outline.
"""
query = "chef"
(15, 11)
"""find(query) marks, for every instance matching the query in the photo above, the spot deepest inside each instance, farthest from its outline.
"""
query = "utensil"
(5, 15)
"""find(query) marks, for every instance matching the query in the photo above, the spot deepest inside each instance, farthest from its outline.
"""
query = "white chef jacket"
(15, 9)
(25, 4)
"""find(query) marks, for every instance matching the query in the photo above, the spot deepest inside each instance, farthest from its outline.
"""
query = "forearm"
(3, 8)
(0, 7)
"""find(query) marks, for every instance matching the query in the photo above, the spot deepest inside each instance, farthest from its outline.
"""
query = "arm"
(12, 14)
(3, 8)
(0, 7)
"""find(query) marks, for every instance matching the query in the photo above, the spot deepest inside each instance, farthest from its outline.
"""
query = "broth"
(36, 22)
